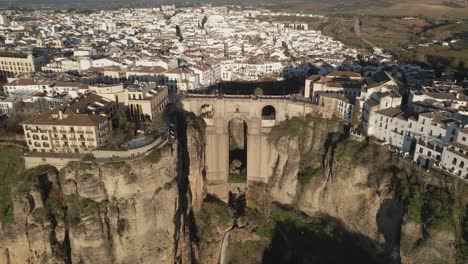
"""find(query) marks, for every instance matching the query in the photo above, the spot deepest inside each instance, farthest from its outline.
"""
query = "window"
(420, 150)
(462, 164)
(454, 161)
(464, 138)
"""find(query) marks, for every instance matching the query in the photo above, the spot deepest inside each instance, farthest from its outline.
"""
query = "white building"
(377, 101)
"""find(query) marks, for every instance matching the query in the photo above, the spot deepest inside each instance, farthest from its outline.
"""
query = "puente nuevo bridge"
(259, 115)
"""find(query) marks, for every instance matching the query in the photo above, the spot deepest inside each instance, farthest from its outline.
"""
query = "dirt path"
(358, 32)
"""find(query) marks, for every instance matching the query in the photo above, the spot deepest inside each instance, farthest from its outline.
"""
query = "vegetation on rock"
(154, 157)
(11, 168)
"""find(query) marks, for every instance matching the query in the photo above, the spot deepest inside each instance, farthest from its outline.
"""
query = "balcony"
(90, 139)
(63, 131)
(431, 146)
(80, 132)
(89, 132)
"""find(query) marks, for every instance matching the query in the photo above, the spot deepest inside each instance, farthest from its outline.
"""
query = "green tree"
(285, 49)
(179, 33)
(157, 125)
(205, 18)
(356, 118)
(461, 73)
(121, 117)
(111, 127)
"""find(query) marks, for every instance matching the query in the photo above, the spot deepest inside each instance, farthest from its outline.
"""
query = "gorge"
(327, 198)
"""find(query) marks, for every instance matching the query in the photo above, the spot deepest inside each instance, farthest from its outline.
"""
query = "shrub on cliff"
(11, 167)
(154, 157)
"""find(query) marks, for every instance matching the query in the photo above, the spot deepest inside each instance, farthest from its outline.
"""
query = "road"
(358, 32)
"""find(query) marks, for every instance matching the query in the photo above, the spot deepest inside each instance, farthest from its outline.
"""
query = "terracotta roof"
(390, 112)
(147, 69)
(344, 85)
(76, 113)
(371, 102)
(460, 146)
(443, 96)
(26, 82)
(438, 118)
(313, 78)
(344, 74)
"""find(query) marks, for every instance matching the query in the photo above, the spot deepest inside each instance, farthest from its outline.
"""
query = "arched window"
(206, 111)
(269, 113)
(462, 164)
(454, 161)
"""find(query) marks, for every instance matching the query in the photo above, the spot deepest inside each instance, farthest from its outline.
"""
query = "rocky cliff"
(126, 212)
(327, 193)
(391, 208)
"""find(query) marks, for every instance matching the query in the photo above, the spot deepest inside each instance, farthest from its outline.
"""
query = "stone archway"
(237, 136)
(268, 113)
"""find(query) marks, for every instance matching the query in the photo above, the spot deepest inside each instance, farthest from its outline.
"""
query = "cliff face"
(135, 212)
(154, 210)
(373, 193)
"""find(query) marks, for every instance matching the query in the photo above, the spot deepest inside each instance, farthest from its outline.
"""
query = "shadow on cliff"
(46, 180)
(184, 218)
(322, 240)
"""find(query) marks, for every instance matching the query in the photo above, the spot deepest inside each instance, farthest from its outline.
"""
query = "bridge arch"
(258, 115)
(268, 112)
(237, 128)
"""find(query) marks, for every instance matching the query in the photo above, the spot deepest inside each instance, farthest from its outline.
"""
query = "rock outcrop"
(126, 212)
(156, 212)
(324, 174)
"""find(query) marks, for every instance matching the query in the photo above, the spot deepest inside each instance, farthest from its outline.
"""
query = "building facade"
(346, 83)
(79, 126)
(12, 64)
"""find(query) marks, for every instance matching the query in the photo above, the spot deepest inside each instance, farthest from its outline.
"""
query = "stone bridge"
(260, 114)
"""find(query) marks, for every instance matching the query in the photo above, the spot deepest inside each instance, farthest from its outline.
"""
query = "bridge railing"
(292, 97)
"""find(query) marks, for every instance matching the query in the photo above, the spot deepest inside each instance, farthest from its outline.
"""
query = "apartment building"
(12, 64)
(341, 105)
(45, 86)
(78, 126)
(390, 127)
(379, 82)
(37, 85)
(377, 101)
(7, 105)
(146, 74)
(455, 156)
(144, 100)
(339, 82)
(404, 131)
